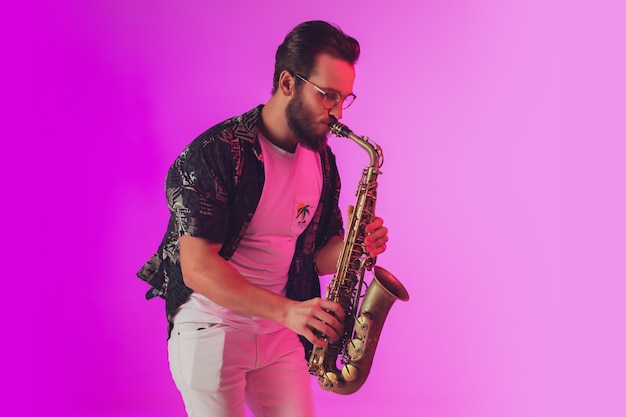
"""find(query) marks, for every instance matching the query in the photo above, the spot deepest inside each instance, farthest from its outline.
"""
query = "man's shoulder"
(241, 128)
(224, 145)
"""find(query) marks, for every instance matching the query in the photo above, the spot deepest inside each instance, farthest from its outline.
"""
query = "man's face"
(304, 124)
(307, 117)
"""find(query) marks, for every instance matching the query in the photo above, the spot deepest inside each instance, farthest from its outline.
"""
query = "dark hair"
(301, 46)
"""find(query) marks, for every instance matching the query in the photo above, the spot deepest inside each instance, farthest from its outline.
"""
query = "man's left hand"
(376, 237)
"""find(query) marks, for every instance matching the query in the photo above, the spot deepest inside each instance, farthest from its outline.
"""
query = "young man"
(254, 221)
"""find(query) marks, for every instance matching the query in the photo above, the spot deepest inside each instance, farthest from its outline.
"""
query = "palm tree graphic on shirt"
(302, 213)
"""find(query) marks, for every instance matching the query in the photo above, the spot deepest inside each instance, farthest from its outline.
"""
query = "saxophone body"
(363, 324)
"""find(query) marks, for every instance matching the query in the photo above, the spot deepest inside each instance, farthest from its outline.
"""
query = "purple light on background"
(503, 188)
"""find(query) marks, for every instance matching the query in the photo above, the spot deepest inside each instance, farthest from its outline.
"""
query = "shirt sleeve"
(335, 227)
(197, 196)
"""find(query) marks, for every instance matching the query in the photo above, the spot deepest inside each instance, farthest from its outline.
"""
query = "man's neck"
(273, 125)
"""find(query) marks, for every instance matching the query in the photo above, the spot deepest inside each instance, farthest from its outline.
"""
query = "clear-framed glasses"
(331, 99)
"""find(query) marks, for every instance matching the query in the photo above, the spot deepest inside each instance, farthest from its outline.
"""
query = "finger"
(350, 210)
(375, 243)
(329, 314)
(335, 308)
(325, 329)
(377, 251)
(374, 225)
(377, 247)
(377, 238)
(327, 323)
(313, 338)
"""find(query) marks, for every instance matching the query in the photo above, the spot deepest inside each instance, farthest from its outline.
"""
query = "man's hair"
(306, 41)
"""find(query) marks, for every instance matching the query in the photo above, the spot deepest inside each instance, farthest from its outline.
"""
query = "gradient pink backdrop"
(503, 126)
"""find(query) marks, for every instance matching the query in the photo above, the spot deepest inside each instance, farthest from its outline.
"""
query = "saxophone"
(358, 343)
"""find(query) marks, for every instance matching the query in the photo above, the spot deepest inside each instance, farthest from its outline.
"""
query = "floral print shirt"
(212, 191)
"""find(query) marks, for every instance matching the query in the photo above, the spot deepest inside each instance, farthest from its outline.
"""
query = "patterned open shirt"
(213, 189)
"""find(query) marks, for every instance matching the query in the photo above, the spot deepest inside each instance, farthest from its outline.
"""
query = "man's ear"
(286, 83)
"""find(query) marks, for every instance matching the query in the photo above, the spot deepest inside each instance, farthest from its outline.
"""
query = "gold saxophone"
(358, 343)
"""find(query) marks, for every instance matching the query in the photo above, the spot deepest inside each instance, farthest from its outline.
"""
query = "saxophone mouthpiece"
(338, 129)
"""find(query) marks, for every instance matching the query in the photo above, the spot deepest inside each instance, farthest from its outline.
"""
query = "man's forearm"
(326, 259)
(207, 273)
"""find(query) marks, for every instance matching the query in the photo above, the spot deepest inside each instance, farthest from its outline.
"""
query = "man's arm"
(207, 273)
(375, 244)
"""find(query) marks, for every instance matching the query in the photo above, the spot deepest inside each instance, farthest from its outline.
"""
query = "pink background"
(503, 188)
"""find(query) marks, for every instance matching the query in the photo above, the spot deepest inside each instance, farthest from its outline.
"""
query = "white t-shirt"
(291, 193)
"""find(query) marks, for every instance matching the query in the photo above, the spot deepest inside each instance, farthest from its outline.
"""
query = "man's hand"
(376, 235)
(303, 317)
(376, 238)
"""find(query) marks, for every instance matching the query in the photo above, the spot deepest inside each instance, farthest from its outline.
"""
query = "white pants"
(217, 368)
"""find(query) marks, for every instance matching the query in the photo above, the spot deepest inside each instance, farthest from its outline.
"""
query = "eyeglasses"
(331, 99)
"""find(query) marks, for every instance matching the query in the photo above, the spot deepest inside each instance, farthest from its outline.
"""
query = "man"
(254, 222)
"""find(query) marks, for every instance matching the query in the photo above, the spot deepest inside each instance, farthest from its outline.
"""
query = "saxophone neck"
(373, 150)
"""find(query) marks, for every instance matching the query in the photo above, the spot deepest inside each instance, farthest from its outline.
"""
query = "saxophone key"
(364, 323)
(356, 348)
(328, 381)
(350, 373)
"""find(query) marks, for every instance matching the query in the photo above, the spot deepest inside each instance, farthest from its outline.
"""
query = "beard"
(303, 125)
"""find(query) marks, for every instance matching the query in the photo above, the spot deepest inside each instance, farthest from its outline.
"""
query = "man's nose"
(336, 111)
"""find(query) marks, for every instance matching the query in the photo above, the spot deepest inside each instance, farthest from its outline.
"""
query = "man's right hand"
(303, 317)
